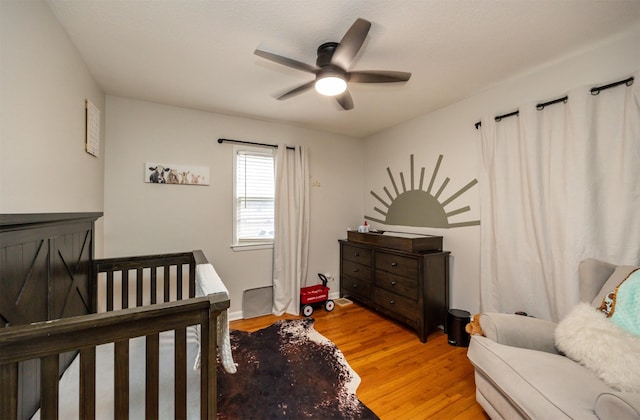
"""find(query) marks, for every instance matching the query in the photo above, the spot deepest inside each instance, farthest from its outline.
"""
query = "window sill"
(251, 247)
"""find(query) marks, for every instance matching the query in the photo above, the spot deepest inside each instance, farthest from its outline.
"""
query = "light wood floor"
(402, 378)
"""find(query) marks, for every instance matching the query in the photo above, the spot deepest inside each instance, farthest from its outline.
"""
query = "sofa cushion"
(612, 353)
(542, 385)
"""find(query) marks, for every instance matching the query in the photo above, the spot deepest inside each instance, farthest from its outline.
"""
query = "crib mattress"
(70, 381)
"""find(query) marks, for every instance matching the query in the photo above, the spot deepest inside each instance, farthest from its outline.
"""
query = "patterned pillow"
(622, 305)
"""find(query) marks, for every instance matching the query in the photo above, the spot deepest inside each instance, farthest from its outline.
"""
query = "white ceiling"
(199, 53)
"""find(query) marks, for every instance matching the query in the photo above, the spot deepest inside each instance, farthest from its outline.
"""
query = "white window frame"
(238, 243)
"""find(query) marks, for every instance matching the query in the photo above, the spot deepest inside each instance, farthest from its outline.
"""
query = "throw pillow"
(622, 305)
(587, 336)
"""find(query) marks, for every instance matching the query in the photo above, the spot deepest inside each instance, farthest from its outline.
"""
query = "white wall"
(450, 131)
(144, 218)
(44, 83)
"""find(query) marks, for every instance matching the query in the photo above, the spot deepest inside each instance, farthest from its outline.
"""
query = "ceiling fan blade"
(351, 43)
(289, 62)
(378, 76)
(296, 91)
(345, 100)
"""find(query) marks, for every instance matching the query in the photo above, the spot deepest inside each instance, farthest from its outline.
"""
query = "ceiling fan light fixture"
(334, 59)
(331, 84)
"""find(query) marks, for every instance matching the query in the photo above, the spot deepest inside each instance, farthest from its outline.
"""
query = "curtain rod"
(594, 91)
(252, 143)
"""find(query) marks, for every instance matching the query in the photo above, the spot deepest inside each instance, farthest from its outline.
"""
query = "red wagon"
(311, 296)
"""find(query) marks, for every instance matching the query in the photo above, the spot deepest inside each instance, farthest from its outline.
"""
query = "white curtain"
(291, 242)
(557, 186)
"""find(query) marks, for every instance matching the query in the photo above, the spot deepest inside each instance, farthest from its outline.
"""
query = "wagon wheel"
(307, 310)
(329, 305)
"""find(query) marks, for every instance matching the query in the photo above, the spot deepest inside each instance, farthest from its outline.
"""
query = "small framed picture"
(92, 129)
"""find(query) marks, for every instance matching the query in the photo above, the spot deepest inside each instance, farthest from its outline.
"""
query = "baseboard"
(234, 316)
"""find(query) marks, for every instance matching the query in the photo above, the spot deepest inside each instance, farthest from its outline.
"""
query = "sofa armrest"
(519, 331)
(618, 405)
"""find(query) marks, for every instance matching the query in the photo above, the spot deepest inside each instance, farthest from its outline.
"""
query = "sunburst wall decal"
(417, 207)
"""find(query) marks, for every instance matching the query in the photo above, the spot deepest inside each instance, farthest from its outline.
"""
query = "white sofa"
(519, 373)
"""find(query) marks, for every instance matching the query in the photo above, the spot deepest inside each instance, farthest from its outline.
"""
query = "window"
(254, 192)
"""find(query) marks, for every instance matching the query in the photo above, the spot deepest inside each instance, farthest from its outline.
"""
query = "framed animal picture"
(165, 173)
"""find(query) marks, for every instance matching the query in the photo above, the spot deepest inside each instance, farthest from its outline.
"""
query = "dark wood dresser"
(405, 282)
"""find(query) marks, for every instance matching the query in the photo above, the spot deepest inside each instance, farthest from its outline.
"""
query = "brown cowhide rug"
(288, 370)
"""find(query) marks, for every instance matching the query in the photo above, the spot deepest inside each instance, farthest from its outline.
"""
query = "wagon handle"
(323, 278)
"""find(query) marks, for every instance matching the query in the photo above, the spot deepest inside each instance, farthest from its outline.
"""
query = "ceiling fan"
(332, 67)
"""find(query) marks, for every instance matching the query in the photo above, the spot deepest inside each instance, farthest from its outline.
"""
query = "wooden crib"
(50, 291)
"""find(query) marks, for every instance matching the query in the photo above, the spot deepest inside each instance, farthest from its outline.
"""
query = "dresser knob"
(394, 264)
(355, 270)
(392, 301)
(356, 254)
(355, 285)
(393, 283)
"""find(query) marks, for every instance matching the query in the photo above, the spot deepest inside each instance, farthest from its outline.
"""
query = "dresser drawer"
(356, 270)
(354, 286)
(404, 286)
(355, 254)
(396, 303)
(396, 264)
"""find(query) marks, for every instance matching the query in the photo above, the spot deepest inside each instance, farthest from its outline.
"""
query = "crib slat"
(121, 379)
(109, 290)
(9, 391)
(88, 383)
(192, 280)
(49, 387)
(208, 384)
(167, 283)
(179, 282)
(154, 285)
(204, 368)
(139, 284)
(125, 289)
(180, 366)
(153, 376)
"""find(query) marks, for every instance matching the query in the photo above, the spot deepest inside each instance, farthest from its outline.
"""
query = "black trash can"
(457, 319)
